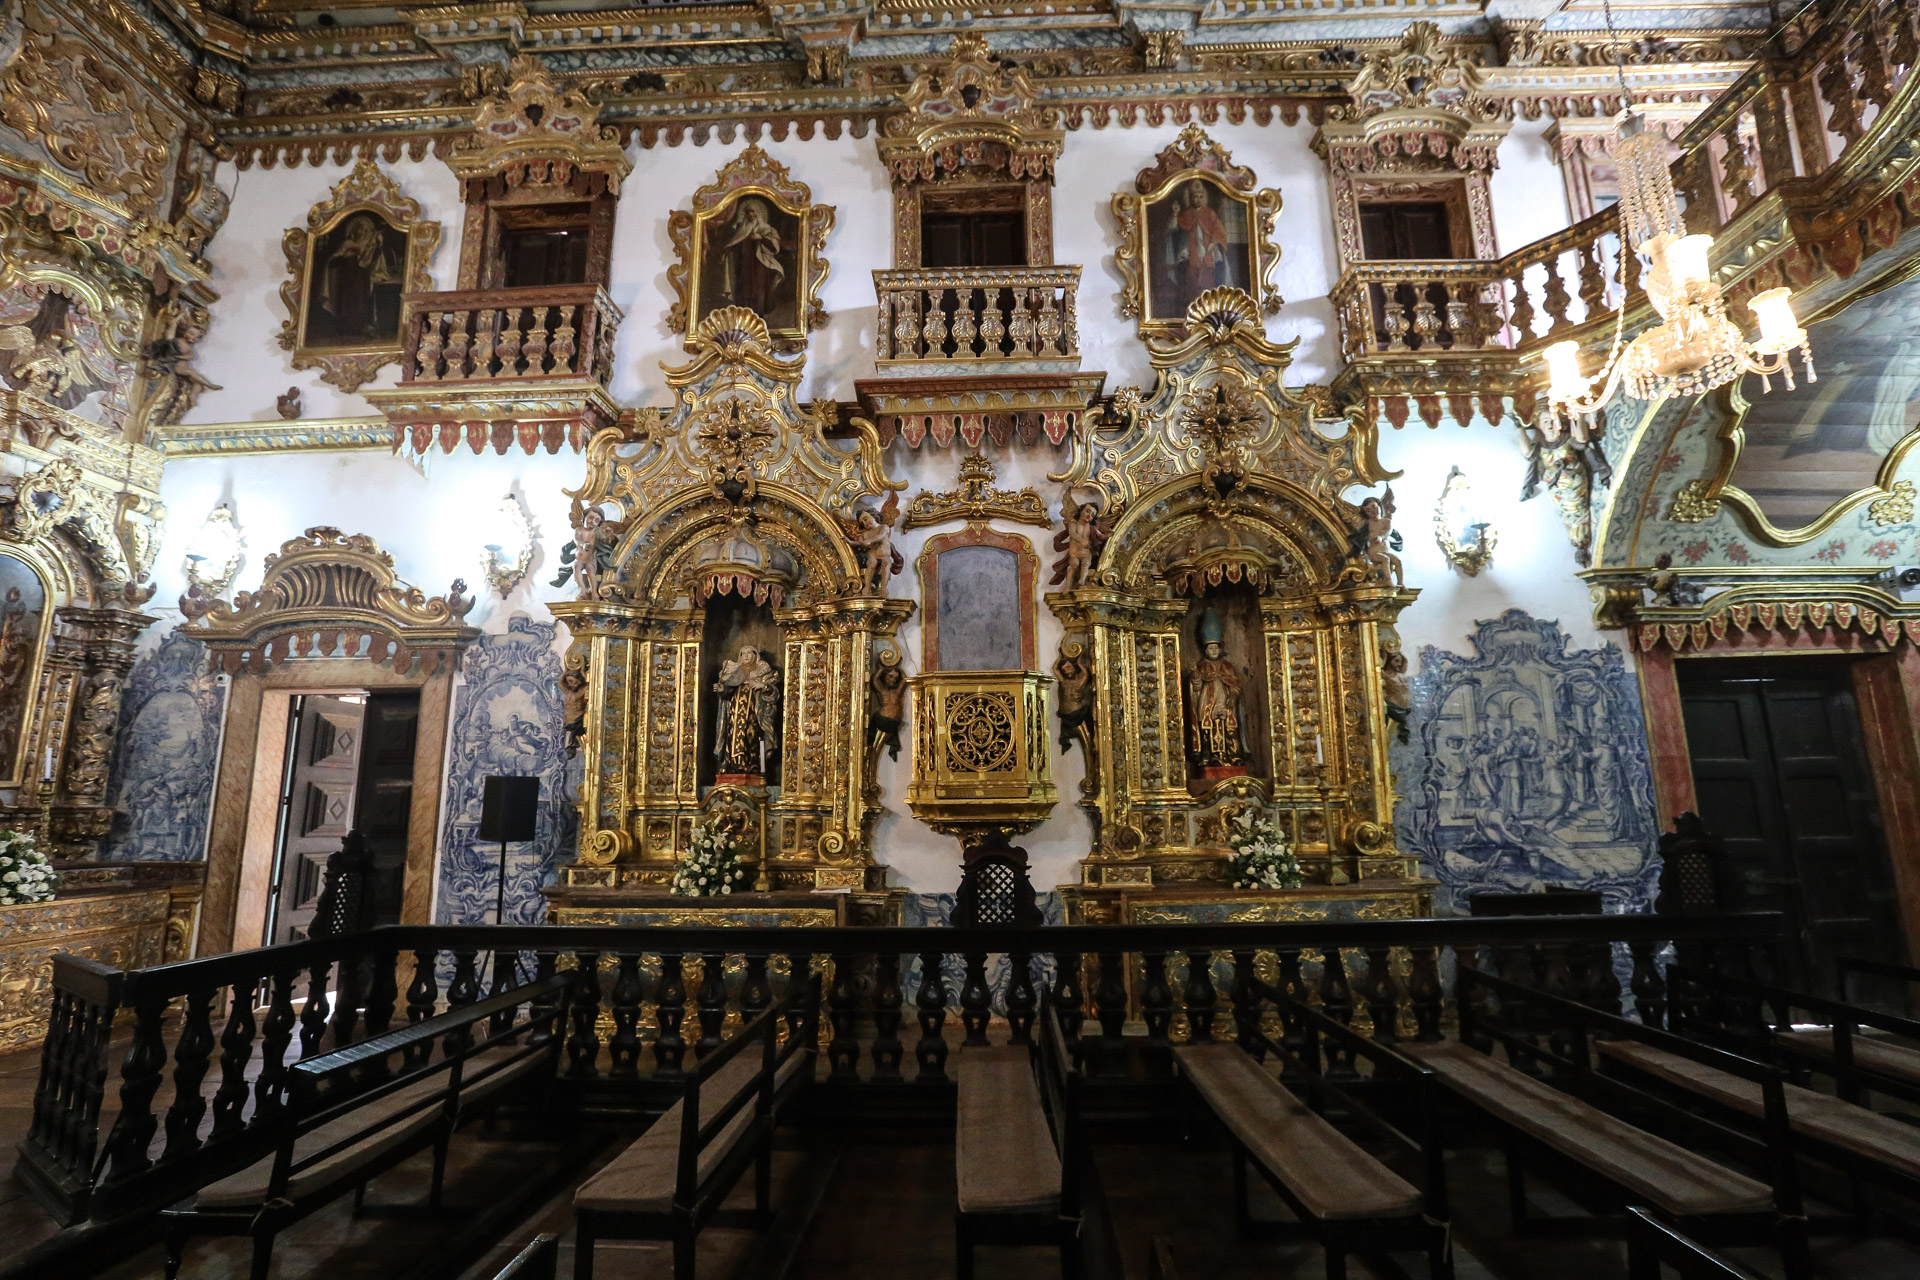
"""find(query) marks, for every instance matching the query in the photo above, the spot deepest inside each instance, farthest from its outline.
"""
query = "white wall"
(1533, 562)
(428, 522)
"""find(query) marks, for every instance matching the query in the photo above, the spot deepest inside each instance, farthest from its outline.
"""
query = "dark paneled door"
(316, 804)
(1781, 776)
(383, 809)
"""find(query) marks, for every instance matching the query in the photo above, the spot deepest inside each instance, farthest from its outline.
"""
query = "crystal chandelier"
(1695, 347)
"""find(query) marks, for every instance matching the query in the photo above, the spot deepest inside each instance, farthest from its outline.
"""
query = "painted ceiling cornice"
(279, 84)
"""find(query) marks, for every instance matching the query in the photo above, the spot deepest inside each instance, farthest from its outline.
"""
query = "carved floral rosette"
(734, 491)
(1225, 476)
(1192, 157)
(752, 173)
(366, 188)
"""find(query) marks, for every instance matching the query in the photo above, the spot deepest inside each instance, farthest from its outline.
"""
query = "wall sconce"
(213, 557)
(1465, 539)
(508, 548)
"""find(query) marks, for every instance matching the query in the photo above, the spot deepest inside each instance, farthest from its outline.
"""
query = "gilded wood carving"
(1194, 221)
(753, 239)
(364, 247)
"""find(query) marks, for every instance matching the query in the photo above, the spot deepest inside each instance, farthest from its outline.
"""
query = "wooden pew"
(673, 1179)
(1624, 1163)
(1019, 1154)
(1344, 1198)
(350, 1118)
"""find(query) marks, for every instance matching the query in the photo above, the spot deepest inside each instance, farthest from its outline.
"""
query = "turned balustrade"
(977, 315)
(212, 1043)
(1773, 151)
(499, 335)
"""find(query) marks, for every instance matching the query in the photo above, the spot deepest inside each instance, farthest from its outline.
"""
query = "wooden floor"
(884, 1212)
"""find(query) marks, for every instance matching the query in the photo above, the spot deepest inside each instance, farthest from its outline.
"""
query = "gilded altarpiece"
(735, 498)
(1219, 495)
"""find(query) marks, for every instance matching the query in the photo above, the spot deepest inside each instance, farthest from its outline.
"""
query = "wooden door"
(383, 809)
(316, 804)
(1780, 774)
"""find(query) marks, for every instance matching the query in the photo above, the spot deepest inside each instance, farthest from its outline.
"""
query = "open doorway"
(348, 765)
(1781, 775)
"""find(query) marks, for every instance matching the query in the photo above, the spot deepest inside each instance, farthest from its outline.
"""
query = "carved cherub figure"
(46, 367)
(1668, 587)
(573, 707)
(458, 601)
(887, 706)
(1373, 534)
(873, 535)
(1083, 540)
(1076, 693)
(1394, 690)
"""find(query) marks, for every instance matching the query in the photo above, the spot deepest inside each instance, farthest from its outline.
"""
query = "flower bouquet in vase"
(712, 867)
(1262, 858)
(25, 873)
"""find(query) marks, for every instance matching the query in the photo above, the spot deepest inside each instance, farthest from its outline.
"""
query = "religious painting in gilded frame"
(24, 622)
(364, 248)
(1194, 221)
(754, 239)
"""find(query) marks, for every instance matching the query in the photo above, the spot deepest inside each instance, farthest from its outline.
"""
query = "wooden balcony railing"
(1531, 297)
(503, 335)
(1814, 127)
(978, 316)
(205, 1075)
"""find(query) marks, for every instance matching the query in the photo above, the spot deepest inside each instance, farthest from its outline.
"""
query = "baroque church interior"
(866, 638)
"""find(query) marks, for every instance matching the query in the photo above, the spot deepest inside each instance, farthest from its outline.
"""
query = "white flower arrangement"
(25, 873)
(712, 866)
(1262, 858)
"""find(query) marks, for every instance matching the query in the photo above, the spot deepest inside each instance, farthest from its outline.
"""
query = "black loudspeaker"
(508, 807)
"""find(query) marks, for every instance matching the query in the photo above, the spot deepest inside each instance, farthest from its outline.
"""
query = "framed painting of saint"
(1194, 221)
(23, 639)
(753, 239)
(363, 249)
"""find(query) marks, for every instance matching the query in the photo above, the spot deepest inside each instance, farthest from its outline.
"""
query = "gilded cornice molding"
(308, 435)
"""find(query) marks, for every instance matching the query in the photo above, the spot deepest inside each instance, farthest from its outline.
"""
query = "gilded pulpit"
(1228, 615)
(733, 560)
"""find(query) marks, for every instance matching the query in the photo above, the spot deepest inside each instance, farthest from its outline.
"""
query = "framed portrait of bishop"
(1193, 222)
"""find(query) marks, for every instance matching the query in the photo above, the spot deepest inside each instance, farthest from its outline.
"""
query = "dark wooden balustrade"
(214, 1041)
(509, 335)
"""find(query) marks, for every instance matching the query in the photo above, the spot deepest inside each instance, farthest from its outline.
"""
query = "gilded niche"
(363, 249)
(732, 564)
(1228, 616)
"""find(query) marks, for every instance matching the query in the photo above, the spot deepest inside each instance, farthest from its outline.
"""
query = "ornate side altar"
(1230, 645)
(732, 591)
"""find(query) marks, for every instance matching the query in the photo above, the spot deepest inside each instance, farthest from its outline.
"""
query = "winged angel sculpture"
(874, 536)
(1083, 539)
(46, 367)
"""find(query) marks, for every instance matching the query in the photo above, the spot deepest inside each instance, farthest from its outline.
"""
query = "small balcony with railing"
(497, 367)
(1791, 171)
(978, 350)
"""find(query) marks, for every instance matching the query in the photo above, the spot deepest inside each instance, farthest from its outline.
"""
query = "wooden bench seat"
(1017, 1151)
(641, 1178)
(1831, 1121)
(671, 1181)
(1331, 1175)
(1003, 1150)
(250, 1185)
(1658, 1171)
(1870, 1053)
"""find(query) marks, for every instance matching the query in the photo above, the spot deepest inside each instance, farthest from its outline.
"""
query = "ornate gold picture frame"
(1194, 221)
(26, 628)
(364, 248)
(754, 239)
